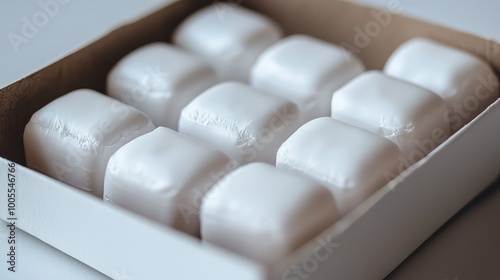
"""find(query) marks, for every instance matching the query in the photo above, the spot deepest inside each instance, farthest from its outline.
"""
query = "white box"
(368, 243)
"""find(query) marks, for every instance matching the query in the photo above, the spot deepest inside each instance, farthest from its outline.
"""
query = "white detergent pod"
(467, 83)
(244, 123)
(412, 117)
(229, 37)
(352, 162)
(306, 71)
(73, 137)
(264, 213)
(164, 175)
(160, 79)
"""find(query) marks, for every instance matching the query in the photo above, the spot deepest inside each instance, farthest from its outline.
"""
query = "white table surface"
(467, 247)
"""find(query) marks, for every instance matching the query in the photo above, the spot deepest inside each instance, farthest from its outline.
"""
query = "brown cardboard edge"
(346, 19)
(86, 68)
(20, 100)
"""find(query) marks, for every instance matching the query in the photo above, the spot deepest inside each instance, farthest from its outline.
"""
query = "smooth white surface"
(410, 116)
(70, 26)
(266, 213)
(478, 17)
(465, 82)
(421, 196)
(52, 212)
(229, 37)
(246, 124)
(38, 260)
(352, 162)
(72, 138)
(111, 240)
(305, 70)
(160, 79)
(164, 176)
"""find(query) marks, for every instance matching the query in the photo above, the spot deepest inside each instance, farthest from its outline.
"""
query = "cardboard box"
(368, 243)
